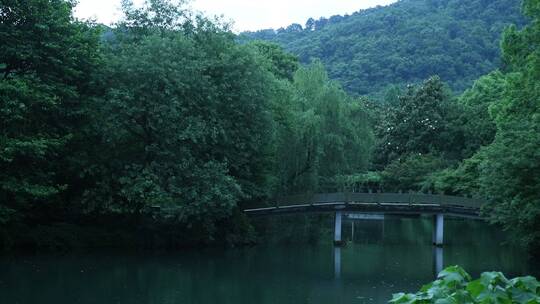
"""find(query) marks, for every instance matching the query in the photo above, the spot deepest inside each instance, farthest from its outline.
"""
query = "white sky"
(247, 14)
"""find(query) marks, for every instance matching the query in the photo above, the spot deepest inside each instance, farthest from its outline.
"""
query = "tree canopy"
(47, 60)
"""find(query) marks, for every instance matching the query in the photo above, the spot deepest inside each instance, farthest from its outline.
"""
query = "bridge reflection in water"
(438, 261)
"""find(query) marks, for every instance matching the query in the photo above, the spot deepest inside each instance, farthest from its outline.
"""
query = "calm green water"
(386, 257)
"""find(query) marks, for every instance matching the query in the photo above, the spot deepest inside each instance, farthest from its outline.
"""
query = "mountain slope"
(406, 42)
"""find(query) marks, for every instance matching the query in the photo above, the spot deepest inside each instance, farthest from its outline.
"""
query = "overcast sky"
(247, 14)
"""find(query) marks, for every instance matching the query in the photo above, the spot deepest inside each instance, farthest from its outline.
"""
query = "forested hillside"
(373, 50)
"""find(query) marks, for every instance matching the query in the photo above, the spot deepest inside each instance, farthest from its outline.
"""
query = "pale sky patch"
(246, 14)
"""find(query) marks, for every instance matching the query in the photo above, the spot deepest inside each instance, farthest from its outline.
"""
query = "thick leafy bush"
(454, 285)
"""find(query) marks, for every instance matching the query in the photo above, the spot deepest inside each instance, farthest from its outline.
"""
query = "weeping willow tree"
(321, 135)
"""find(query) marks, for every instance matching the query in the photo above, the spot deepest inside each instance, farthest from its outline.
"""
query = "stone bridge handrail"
(382, 198)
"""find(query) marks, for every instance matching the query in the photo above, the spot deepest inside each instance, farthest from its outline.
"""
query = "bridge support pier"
(337, 229)
(438, 230)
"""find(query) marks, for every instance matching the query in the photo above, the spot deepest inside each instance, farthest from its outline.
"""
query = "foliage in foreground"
(454, 285)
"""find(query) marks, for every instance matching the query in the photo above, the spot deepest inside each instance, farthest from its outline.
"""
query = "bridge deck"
(386, 203)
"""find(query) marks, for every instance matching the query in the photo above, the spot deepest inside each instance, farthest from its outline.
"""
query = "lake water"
(385, 257)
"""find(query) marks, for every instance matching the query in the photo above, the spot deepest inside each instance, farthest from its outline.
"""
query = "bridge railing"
(376, 198)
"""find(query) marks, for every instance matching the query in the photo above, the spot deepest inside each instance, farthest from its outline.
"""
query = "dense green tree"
(511, 173)
(460, 180)
(411, 172)
(185, 118)
(282, 64)
(478, 126)
(46, 63)
(419, 124)
(477, 129)
(324, 134)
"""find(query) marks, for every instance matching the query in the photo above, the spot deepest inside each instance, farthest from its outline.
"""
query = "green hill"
(406, 42)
